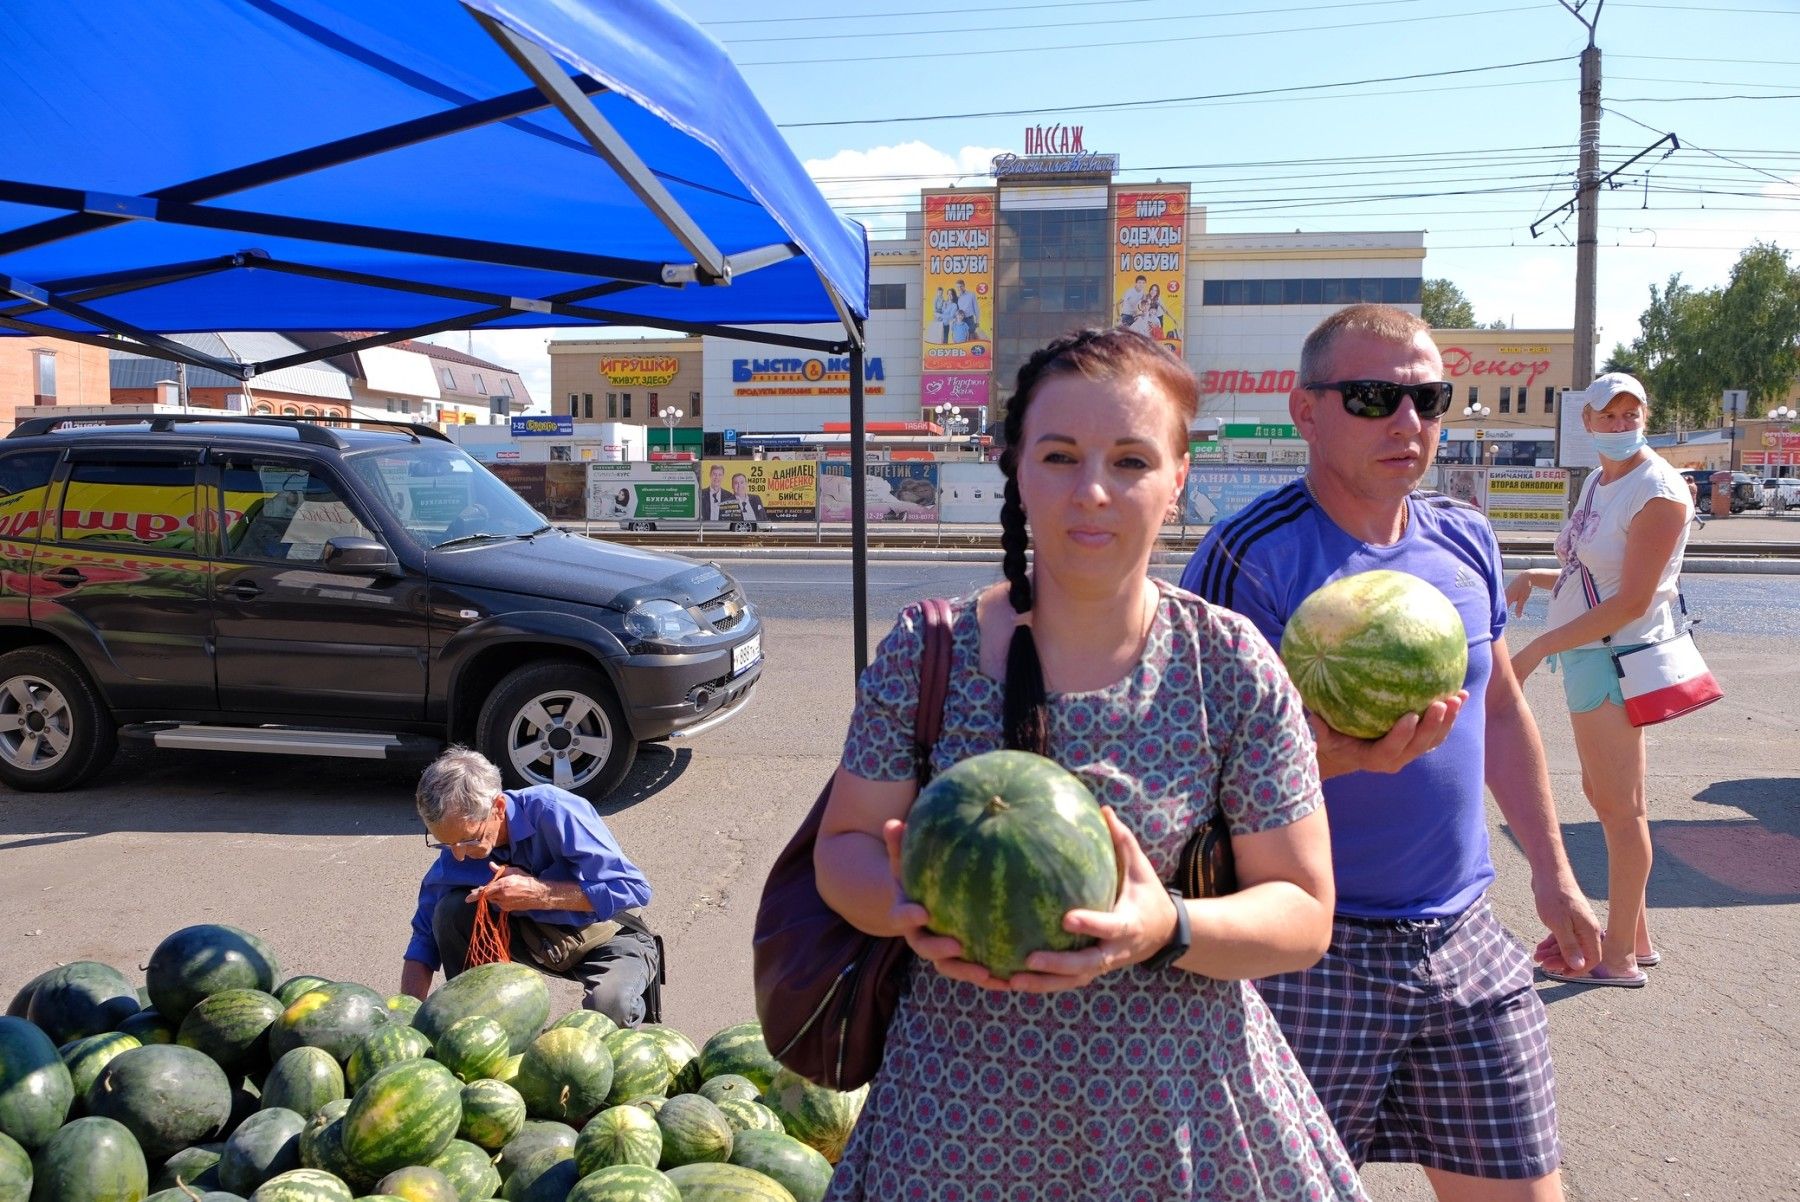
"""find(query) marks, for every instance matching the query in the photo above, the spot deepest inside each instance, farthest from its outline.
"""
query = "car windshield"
(442, 496)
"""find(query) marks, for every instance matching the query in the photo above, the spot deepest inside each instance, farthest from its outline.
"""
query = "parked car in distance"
(1787, 487)
(1746, 490)
(294, 587)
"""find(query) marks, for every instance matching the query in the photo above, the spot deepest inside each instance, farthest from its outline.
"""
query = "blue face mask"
(1622, 445)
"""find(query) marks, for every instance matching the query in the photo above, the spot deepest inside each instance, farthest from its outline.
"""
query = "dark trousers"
(621, 976)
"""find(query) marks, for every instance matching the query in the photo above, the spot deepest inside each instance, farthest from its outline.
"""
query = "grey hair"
(460, 783)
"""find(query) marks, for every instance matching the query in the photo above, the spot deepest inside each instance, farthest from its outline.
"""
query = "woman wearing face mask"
(1627, 534)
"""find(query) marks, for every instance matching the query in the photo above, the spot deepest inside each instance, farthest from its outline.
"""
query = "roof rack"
(313, 430)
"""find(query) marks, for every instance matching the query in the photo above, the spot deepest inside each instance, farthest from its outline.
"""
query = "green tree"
(1444, 306)
(1759, 320)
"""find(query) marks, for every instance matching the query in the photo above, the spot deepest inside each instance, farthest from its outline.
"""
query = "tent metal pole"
(165, 348)
(611, 145)
(98, 287)
(859, 510)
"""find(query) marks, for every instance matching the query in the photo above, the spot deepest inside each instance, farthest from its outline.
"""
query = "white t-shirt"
(1595, 538)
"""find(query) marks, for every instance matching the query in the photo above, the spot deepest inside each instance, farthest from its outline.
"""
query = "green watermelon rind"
(712, 1181)
(36, 1090)
(738, 1049)
(799, 1169)
(203, 959)
(90, 1158)
(405, 1114)
(619, 1135)
(693, 1131)
(625, 1183)
(168, 1097)
(304, 1080)
(565, 1074)
(391, 1043)
(232, 1026)
(303, 1185)
(493, 1113)
(513, 995)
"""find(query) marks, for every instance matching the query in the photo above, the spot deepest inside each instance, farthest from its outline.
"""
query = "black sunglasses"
(1380, 398)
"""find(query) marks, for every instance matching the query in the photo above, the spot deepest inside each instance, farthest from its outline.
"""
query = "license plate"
(745, 654)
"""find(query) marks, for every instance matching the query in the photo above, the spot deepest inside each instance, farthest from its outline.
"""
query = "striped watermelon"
(547, 1175)
(492, 1114)
(167, 1095)
(264, 1145)
(693, 1130)
(749, 1116)
(81, 999)
(289, 991)
(619, 1135)
(86, 1057)
(729, 1085)
(591, 1021)
(385, 1045)
(513, 995)
(533, 1137)
(335, 1016)
(90, 1160)
(677, 1049)
(200, 960)
(405, 1114)
(800, 1169)
(625, 1183)
(999, 848)
(304, 1080)
(402, 1006)
(1367, 649)
(232, 1027)
(302, 1185)
(726, 1183)
(15, 1169)
(322, 1145)
(469, 1170)
(739, 1049)
(565, 1075)
(818, 1117)
(640, 1069)
(473, 1047)
(417, 1183)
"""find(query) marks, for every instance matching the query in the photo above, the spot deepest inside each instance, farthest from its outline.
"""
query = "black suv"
(286, 586)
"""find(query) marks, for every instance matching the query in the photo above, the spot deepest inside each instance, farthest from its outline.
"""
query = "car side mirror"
(351, 553)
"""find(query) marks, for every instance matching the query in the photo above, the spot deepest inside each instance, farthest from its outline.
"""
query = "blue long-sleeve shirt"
(553, 835)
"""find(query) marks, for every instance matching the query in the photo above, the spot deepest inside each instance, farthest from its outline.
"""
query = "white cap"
(1600, 393)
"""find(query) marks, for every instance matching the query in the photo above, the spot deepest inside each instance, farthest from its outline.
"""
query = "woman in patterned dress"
(1095, 1074)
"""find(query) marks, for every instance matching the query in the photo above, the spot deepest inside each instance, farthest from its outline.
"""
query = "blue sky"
(871, 98)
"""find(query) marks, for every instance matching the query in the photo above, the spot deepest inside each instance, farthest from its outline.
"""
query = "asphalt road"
(1681, 1090)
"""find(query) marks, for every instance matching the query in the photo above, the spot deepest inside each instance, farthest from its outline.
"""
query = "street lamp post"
(1477, 412)
(670, 416)
(951, 419)
(1783, 413)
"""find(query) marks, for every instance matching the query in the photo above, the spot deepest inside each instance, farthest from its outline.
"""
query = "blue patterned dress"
(1144, 1085)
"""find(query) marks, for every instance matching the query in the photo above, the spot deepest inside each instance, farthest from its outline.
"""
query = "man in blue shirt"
(1420, 1028)
(544, 858)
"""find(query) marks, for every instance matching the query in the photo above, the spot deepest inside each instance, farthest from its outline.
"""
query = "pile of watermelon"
(220, 1081)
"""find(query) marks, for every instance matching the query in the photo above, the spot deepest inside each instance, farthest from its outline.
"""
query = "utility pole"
(1587, 208)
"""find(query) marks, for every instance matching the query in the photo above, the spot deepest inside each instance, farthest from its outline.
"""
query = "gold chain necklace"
(1405, 505)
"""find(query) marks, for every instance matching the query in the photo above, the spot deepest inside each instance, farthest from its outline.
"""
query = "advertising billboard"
(892, 492)
(643, 492)
(959, 282)
(1150, 261)
(1527, 498)
(757, 490)
(1216, 493)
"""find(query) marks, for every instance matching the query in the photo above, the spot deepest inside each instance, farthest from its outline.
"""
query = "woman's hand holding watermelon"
(910, 921)
(1138, 926)
(1411, 737)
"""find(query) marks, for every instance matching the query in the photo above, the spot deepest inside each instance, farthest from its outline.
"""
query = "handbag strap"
(934, 683)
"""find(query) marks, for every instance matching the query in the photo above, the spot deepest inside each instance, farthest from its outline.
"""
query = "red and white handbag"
(1659, 680)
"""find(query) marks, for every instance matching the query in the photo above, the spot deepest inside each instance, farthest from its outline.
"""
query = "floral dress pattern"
(1144, 1085)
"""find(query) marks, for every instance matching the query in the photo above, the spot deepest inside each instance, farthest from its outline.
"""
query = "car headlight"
(661, 621)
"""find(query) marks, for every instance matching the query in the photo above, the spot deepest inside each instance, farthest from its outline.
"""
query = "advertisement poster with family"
(959, 282)
(1150, 245)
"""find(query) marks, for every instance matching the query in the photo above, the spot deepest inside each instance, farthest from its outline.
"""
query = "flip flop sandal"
(1599, 975)
(1650, 961)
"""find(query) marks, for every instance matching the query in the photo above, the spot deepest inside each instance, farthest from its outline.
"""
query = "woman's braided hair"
(1096, 355)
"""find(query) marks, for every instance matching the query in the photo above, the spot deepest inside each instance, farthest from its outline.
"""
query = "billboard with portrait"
(959, 282)
(1150, 261)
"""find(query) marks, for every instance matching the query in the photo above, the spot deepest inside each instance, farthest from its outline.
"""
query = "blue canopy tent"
(172, 167)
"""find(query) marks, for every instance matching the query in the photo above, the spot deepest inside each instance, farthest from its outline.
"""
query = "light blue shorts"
(1590, 678)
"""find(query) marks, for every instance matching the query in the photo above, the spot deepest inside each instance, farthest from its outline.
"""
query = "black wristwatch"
(1180, 939)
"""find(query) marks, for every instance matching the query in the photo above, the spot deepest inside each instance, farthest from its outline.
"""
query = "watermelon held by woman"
(1368, 649)
(999, 848)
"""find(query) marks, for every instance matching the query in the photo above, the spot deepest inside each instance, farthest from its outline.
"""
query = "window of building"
(612, 406)
(1549, 398)
(1505, 400)
(655, 403)
(694, 403)
(1475, 396)
(587, 405)
(449, 378)
(290, 411)
(1387, 290)
(268, 410)
(480, 384)
(625, 404)
(45, 363)
(887, 296)
(309, 411)
(573, 403)
(506, 386)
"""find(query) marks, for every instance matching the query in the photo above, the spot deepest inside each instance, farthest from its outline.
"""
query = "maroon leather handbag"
(825, 991)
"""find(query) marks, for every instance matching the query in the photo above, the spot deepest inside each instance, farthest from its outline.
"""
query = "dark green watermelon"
(513, 995)
(625, 1183)
(35, 1088)
(532, 1138)
(693, 1130)
(565, 1075)
(21, 1001)
(405, 1114)
(619, 1135)
(196, 1167)
(264, 1145)
(335, 1016)
(302, 1185)
(800, 1169)
(322, 1145)
(232, 1026)
(387, 1044)
(148, 1026)
(86, 1057)
(185, 1194)
(469, 1170)
(205, 959)
(168, 1096)
(492, 1114)
(999, 848)
(417, 1183)
(90, 1160)
(81, 999)
(402, 1006)
(704, 1182)
(290, 990)
(546, 1176)
(15, 1170)
(303, 1081)
(739, 1049)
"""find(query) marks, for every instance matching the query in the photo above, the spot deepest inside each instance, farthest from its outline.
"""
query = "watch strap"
(1180, 939)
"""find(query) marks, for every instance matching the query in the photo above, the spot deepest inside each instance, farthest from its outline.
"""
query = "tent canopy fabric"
(191, 165)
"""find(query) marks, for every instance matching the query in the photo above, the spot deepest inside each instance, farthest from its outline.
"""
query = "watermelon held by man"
(998, 848)
(1368, 649)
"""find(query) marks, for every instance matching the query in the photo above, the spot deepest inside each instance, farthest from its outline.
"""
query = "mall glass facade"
(1052, 274)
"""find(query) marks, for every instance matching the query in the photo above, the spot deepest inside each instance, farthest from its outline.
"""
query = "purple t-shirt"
(1410, 844)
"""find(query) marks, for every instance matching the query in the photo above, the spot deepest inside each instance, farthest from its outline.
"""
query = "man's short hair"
(1383, 321)
(460, 783)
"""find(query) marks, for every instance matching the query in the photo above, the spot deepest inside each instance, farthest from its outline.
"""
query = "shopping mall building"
(986, 275)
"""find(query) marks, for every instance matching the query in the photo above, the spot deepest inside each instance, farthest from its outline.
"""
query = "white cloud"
(880, 185)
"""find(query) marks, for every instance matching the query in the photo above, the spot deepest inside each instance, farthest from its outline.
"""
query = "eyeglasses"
(434, 845)
(1380, 398)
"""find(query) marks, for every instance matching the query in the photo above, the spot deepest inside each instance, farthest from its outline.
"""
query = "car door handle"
(243, 590)
(67, 577)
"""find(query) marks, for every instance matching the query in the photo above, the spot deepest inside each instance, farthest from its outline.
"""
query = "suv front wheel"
(54, 731)
(557, 724)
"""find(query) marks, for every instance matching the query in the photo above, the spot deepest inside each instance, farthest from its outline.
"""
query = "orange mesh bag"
(490, 942)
